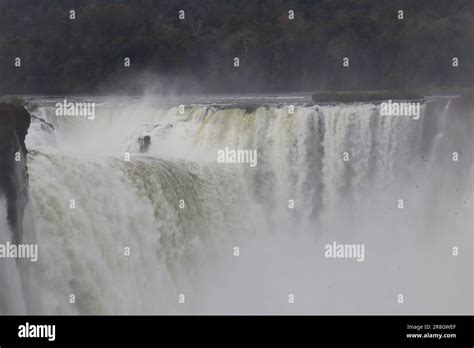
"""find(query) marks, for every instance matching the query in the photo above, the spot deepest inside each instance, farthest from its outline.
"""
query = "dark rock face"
(14, 124)
(144, 143)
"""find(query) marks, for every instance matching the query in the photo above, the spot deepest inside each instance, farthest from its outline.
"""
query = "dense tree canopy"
(86, 55)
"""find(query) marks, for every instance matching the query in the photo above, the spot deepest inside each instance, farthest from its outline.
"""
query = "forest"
(179, 46)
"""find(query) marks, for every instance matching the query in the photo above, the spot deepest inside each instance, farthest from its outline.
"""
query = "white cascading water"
(189, 251)
(10, 301)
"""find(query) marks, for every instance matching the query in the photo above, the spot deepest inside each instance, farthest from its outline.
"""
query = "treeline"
(196, 54)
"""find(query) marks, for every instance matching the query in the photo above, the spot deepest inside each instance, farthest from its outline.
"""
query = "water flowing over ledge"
(136, 204)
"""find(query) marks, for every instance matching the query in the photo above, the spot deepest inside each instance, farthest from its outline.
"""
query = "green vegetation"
(85, 55)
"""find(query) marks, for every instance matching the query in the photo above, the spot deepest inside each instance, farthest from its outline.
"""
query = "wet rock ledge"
(14, 123)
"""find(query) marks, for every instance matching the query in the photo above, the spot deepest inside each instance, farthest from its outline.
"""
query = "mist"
(190, 250)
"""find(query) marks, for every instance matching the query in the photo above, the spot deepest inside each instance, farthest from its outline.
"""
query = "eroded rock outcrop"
(14, 124)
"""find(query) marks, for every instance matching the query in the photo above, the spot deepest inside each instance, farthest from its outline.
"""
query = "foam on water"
(135, 204)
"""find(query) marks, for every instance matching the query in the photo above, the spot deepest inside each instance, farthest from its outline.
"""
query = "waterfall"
(10, 282)
(180, 213)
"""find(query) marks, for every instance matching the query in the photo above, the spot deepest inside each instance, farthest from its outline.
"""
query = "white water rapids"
(190, 251)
